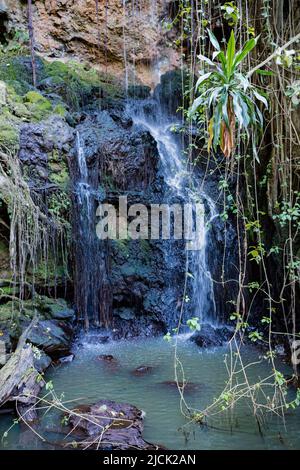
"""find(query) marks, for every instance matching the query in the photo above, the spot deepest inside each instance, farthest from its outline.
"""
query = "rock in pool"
(107, 425)
(210, 336)
(107, 358)
(142, 370)
(188, 386)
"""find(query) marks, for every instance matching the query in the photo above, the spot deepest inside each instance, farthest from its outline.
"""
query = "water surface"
(89, 380)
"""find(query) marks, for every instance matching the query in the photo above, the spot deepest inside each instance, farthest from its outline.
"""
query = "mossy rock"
(9, 134)
(46, 308)
(60, 110)
(80, 85)
(38, 106)
(49, 274)
(21, 111)
(59, 174)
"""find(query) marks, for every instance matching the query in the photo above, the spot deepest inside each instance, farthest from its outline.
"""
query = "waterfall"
(92, 289)
(177, 177)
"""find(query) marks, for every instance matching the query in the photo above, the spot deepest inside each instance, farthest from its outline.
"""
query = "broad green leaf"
(217, 125)
(224, 102)
(222, 59)
(215, 54)
(202, 79)
(214, 40)
(230, 53)
(243, 80)
(266, 73)
(238, 111)
(205, 59)
(261, 98)
(240, 56)
(195, 105)
(213, 96)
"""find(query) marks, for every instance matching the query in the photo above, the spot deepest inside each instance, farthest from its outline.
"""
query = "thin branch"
(272, 56)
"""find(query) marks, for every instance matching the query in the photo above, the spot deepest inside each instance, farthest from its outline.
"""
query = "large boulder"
(108, 425)
(210, 336)
(52, 336)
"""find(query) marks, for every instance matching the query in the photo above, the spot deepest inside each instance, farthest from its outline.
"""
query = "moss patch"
(9, 134)
(79, 85)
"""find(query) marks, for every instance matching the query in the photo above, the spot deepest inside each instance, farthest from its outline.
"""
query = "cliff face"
(123, 38)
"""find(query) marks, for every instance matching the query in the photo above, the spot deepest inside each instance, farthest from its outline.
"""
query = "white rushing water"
(176, 175)
(83, 188)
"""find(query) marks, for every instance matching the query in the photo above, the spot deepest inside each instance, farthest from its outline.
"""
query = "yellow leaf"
(211, 133)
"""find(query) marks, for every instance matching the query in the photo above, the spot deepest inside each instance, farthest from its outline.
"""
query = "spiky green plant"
(228, 96)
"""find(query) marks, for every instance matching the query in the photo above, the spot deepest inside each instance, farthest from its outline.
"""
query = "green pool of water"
(88, 380)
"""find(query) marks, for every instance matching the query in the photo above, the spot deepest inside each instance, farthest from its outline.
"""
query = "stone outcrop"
(116, 36)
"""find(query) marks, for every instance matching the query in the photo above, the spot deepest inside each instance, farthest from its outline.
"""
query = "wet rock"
(142, 370)
(139, 92)
(58, 309)
(139, 327)
(210, 336)
(128, 154)
(41, 360)
(187, 386)
(52, 336)
(38, 140)
(107, 358)
(67, 359)
(111, 425)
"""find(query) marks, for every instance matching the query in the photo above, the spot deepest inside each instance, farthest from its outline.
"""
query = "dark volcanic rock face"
(43, 150)
(143, 285)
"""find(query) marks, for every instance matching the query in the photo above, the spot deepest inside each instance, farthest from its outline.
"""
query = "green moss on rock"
(38, 106)
(9, 134)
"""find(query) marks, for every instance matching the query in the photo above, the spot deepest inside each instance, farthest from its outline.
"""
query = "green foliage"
(289, 213)
(228, 96)
(59, 206)
(194, 324)
(293, 92)
(17, 45)
(240, 323)
(9, 134)
(231, 13)
(256, 253)
(168, 337)
(255, 336)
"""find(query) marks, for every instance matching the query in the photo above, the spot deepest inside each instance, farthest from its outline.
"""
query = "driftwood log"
(20, 382)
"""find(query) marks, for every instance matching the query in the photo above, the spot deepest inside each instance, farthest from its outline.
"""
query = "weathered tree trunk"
(20, 382)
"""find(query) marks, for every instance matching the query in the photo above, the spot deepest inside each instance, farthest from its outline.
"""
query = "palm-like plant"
(226, 92)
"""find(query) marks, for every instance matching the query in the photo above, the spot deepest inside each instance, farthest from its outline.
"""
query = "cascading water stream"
(177, 177)
(92, 290)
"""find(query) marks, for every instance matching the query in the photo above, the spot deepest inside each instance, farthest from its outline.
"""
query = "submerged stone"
(107, 358)
(187, 386)
(142, 370)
